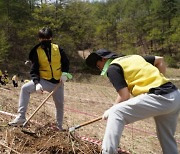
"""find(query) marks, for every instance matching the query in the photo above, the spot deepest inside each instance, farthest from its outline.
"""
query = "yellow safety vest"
(140, 75)
(49, 70)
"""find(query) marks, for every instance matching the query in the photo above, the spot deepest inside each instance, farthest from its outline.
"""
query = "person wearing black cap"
(153, 96)
(49, 62)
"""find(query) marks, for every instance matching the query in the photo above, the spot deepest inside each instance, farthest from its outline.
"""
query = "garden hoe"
(84, 124)
(26, 131)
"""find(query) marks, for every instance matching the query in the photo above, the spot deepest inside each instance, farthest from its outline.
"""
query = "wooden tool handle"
(91, 121)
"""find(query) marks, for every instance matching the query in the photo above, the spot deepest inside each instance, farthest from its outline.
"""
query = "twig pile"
(46, 141)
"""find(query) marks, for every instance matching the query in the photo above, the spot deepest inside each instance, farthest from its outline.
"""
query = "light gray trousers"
(58, 98)
(165, 110)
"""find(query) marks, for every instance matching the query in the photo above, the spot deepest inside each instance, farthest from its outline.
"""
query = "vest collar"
(106, 66)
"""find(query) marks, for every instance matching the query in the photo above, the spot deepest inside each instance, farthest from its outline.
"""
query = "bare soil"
(83, 102)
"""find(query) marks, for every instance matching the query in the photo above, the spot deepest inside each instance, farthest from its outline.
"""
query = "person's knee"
(116, 111)
(24, 87)
(117, 114)
(27, 87)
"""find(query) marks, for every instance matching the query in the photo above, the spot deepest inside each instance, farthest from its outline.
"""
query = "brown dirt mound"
(46, 141)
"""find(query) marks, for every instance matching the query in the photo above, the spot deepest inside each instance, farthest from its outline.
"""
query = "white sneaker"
(18, 121)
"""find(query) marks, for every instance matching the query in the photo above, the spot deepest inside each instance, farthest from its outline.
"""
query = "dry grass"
(83, 102)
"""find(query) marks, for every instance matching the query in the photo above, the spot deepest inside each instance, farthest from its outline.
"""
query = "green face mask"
(106, 66)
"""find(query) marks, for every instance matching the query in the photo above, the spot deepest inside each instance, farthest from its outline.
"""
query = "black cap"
(92, 59)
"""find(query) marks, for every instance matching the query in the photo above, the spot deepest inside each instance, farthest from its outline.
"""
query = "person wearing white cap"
(153, 96)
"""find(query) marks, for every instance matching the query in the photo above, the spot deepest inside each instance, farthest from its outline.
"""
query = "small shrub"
(171, 61)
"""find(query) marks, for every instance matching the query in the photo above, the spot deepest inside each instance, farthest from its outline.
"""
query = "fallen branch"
(6, 89)
(174, 79)
(7, 113)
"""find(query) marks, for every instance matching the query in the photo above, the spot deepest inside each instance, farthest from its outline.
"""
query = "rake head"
(74, 128)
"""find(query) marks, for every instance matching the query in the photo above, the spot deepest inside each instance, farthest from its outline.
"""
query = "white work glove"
(106, 114)
(64, 78)
(39, 88)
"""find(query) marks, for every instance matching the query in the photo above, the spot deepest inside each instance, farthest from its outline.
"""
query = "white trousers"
(58, 98)
(165, 110)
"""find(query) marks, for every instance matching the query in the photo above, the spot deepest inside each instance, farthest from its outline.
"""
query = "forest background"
(129, 27)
